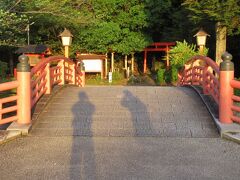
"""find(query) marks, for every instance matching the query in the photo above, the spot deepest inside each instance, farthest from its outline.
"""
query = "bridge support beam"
(225, 89)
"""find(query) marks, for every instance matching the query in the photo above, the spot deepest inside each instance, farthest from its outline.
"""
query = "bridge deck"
(126, 111)
(182, 141)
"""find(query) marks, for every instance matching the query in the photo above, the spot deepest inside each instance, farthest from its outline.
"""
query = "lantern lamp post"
(201, 37)
(66, 37)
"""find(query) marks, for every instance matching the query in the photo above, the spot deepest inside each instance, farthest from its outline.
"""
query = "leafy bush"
(182, 52)
(116, 76)
(167, 76)
(161, 76)
(174, 74)
(134, 80)
(158, 65)
(3, 69)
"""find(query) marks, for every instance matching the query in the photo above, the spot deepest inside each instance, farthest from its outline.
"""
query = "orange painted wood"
(236, 119)
(225, 96)
(235, 84)
(34, 101)
(8, 99)
(39, 78)
(8, 85)
(39, 88)
(9, 109)
(8, 120)
(235, 108)
(24, 97)
(236, 98)
(56, 82)
(48, 79)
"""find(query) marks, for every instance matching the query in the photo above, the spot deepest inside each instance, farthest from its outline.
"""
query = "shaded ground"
(122, 133)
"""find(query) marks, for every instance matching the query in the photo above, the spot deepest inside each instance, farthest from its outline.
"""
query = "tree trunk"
(125, 62)
(132, 63)
(112, 62)
(221, 41)
(106, 66)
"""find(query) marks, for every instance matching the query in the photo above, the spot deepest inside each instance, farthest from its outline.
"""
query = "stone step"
(125, 112)
(186, 133)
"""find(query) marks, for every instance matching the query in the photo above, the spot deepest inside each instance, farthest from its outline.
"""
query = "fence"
(216, 81)
(32, 84)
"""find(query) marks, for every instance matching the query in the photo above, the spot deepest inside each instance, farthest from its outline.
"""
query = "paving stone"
(125, 111)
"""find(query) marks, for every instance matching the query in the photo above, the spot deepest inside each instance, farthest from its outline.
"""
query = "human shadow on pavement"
(82, 162)
(140, 115)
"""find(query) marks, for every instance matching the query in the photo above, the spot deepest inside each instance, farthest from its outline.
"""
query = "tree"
(225, 14)
(12, 28)
(116, 25)
(12, 31)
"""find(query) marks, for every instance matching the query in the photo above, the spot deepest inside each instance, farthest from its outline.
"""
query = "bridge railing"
(31, 84)
(216, 81)
(236, 102)
(8, 104)
(203, 71)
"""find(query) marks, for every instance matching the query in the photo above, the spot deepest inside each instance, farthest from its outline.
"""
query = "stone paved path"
(126, 111)
(110, 133)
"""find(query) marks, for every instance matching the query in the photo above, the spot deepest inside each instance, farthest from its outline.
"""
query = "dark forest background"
(121, 26)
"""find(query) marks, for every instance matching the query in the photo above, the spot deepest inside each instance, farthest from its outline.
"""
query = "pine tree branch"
(14, 5)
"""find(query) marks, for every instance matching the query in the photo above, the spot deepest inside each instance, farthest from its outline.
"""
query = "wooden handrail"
(8, 85)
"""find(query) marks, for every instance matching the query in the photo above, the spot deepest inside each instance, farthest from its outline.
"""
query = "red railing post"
(74, 73)
(225, 89)
(24, 91)
(83, 79)
(205, 79)
(62, 70)
(48, 78)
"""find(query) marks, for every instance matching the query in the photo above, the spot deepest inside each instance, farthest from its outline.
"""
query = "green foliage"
(12, 28)
(3, 70)
(118, 26)
(182, 52)
(227, 12)
(157, 65)
(174, 74)
(161, 76)
(167, 76)
(237, 91)
(116, 76)
(100, 37)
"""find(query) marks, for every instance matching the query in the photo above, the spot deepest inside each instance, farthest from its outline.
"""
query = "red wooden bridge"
(32, 84)
(169, 131)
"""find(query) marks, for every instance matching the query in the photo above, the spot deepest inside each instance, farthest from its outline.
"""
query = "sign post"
(110, 77)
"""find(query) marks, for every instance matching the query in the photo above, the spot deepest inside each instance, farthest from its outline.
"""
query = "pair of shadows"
(82, 162)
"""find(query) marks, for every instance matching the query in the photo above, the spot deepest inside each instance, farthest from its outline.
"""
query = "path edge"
(227, 131)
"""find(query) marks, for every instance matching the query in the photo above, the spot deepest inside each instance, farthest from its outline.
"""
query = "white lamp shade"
(66, 41)
(201, 40)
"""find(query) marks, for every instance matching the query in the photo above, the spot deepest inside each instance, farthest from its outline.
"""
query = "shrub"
(160, 76)
(116, 76)
(174, 74)
(167, 76)
(182, 52)
(156, 65)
